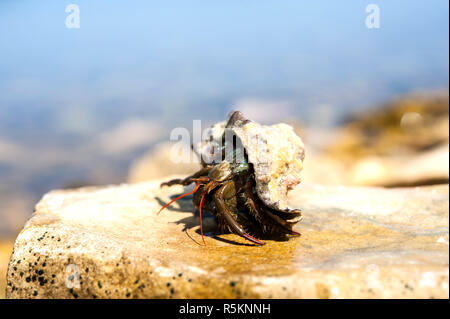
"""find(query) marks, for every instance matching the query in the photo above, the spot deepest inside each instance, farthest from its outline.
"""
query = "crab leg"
(181, 196)
(190, 179)
(222, 209)
(276, 220)
(207, 189)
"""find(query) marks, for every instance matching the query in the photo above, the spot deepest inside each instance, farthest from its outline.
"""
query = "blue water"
(195, 59)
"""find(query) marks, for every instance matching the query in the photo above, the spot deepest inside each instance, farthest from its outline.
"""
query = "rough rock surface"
(356, 243)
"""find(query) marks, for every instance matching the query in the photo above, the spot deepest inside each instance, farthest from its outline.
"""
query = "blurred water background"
(78, 105)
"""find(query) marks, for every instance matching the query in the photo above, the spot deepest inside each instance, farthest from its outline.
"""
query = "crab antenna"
(165, 206)
(200, 210)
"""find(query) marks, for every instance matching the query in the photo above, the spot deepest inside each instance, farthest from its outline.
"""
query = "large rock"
(356, 243)
(403, 143)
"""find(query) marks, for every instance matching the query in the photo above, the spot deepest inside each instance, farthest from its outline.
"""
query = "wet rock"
(403, 143)
(356, 243)
(404, 126)
(426, 168)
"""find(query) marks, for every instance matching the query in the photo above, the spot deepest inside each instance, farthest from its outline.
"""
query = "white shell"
(275, 151)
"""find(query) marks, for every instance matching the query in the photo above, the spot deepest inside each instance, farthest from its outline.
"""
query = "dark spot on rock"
(168, 284)
(99, 285)
(28, 279)
(172, 291)
(43, 280)
(44, 264)
(33, 278)
(94, 296)
(75, 295)
(87, 270)
(40, 272)
(180, 274)
(137, 280)
(53, 276)
(59, 239)
(21, 274)
(18, 261)
(141, 286)
(52, 282)
(190, 280)
(128, 295)
(35, 293)
(232, 283)
(15, 268)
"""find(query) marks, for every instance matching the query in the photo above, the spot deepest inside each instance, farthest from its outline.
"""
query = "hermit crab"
(247, 171)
